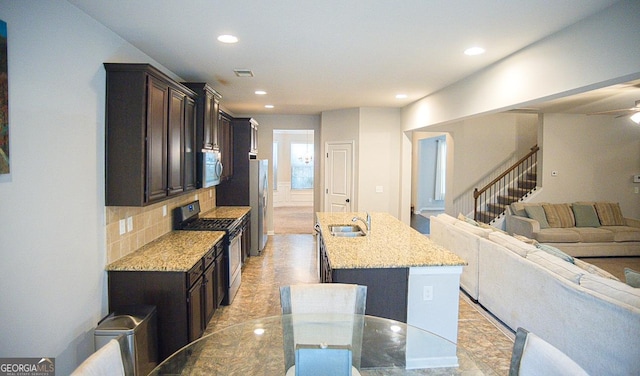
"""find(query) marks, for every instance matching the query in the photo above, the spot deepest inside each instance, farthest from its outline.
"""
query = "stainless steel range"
(187, 218)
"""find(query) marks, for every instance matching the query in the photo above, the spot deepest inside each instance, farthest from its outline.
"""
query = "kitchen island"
(409, 278)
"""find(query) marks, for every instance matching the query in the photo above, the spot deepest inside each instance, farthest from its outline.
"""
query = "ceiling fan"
(621, 111)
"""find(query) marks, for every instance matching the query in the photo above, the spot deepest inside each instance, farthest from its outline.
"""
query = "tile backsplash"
(143, 225)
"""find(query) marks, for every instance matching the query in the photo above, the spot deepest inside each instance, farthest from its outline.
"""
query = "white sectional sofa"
(574, 306)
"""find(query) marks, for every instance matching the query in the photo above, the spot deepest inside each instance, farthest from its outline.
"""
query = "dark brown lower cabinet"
(387, 288)
(185, 301)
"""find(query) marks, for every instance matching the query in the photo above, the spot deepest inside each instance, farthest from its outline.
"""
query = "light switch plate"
(164, 210)
(129, 224)
(123, 226)
(379, 189)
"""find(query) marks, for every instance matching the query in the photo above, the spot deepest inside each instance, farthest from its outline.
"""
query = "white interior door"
(339, 177)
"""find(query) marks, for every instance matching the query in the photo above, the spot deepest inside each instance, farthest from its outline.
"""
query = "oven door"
(235, 266)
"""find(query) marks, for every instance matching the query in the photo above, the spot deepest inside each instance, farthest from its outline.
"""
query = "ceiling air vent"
(243, 72)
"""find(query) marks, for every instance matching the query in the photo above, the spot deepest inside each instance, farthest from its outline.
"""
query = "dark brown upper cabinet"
(149, 123)
(207, 128)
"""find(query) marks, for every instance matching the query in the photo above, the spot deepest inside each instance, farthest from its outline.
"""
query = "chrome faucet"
(366, 222)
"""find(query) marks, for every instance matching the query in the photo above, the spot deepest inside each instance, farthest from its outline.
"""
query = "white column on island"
(433, 297)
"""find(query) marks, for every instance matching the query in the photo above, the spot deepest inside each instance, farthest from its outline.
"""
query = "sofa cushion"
(536, 212)
(624, 233)
(594, 235)
(559, 215)
(585, 215)
(610, 214)
(557, 235)
(556, 265)
(616, 290)
(632, 277)
(593, 269)
(511, 243)
(555, 252)
(518, 207)
(446, 218)
(483, 232)
(524, 239)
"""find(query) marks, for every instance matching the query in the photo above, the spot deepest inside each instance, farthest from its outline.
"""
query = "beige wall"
(379, 160)
(595, 157)
(377, 138)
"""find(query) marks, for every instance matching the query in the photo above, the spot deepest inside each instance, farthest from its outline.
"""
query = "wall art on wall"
(4, 101)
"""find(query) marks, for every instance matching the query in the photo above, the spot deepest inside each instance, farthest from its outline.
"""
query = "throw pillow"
(536, 212)
(610, 214)
(585, 215)
(470, 221)
(559, 215)
(554, 251)
(632, 277)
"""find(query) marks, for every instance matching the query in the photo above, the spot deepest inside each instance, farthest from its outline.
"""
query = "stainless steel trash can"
(136, 329)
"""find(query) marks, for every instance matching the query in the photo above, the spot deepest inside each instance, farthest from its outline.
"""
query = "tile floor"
(290, 258)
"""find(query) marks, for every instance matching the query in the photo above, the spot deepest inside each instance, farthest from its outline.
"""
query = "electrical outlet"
(636, 190)
(427, 293)
(210, 193)
(123, 226)
(196, 197)
(129, 224)
(164, 210)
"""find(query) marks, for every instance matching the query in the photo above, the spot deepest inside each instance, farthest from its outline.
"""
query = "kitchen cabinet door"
(157, 139)
(145, 135)
(195, 314)
(190, 145)
(226, 146)
(175, 142)
(209, 303)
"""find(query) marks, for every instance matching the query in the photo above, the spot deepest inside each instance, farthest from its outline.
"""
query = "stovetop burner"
(210, 224)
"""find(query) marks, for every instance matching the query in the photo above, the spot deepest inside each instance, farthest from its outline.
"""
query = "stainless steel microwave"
(211, 168)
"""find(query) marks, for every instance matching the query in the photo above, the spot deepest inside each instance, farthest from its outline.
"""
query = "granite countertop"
(390, 244)
(177, 251)
(226, 212)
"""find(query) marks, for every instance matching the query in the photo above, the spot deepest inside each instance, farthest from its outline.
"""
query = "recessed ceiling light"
(401, 96)
(268, 106)
(227, 38)
(474, 51)
(260, 92)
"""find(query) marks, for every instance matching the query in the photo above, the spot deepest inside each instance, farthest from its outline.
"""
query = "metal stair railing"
(504, 185)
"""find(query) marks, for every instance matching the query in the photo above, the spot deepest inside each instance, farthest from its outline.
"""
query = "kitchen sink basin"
(348, 231)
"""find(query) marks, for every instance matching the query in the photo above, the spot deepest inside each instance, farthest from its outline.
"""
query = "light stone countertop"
(226, 212)
(177, 251)
(390, 244)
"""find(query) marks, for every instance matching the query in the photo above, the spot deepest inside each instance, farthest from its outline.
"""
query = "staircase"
(516, 183)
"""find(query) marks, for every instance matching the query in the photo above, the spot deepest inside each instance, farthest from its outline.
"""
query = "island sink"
(346, 230)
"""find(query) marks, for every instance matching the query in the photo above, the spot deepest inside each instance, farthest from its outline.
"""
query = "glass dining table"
(268, 346)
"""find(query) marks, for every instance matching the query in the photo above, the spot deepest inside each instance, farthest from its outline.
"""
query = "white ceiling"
(312, 56)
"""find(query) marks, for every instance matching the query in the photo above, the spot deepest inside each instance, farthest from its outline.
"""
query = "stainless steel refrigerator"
(258, 193)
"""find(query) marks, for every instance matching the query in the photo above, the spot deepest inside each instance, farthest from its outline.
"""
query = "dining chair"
(323, 298)
(106, 361)
(534, 356)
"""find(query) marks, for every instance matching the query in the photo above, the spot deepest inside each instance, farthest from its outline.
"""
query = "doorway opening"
(293, 181)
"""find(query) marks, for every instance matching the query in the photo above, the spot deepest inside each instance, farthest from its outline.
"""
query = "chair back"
(534, 356)
(323, 298)
(106, 361)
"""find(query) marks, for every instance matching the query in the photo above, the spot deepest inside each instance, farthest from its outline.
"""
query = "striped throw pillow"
(559, 215)
(610, 214)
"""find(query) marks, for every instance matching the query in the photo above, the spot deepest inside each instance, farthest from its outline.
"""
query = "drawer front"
(209, 257)
(194, 274)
